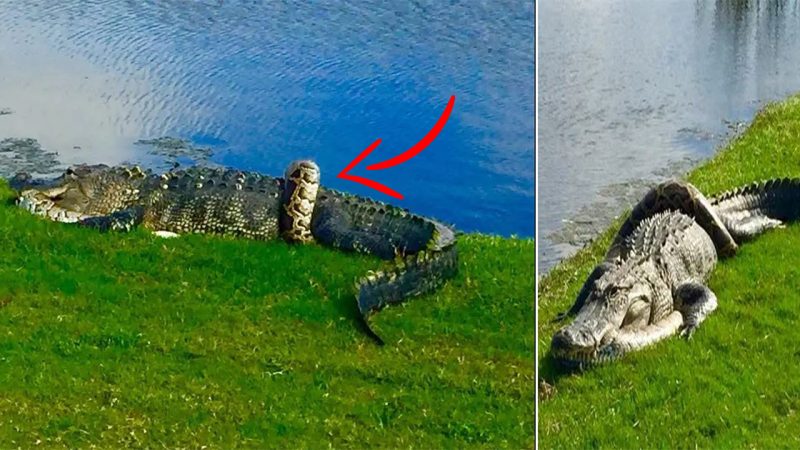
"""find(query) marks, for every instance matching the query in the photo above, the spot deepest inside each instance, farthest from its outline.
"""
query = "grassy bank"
(119, 341)
(736, 384)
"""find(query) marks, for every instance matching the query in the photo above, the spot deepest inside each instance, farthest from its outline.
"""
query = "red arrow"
(399, 159)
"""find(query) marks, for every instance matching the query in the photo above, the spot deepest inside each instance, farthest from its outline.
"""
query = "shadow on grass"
(552, 371)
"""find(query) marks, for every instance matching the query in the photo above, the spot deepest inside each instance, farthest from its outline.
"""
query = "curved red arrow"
(399, 159)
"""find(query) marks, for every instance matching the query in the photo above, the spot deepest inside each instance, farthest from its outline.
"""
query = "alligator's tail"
(750, 210)
(409, 276)
(422, 251)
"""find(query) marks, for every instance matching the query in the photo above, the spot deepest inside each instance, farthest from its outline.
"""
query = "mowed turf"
(128, 340)
(736, 384)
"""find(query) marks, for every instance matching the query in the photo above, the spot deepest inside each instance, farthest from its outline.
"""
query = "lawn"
(128, 340)
(736, 384)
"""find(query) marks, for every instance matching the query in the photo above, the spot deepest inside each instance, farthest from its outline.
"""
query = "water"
(254, 85)
(631, 92)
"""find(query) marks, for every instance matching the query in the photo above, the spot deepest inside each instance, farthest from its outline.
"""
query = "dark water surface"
(632, 92)
(255, 85)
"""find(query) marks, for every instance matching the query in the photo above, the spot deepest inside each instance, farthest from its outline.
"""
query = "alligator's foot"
(687, 331)
(695, 302)
(124, 220)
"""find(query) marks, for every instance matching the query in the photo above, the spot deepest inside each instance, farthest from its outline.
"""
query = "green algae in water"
(173, 150)
(26, 155)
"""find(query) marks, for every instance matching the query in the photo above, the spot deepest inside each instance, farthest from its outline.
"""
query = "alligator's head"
(81, 191)
(617, 306)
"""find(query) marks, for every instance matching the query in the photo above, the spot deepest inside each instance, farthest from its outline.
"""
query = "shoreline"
(573, 234)
(688, 379)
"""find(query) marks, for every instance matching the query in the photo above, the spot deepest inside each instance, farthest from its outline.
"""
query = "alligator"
(250, 205)
(651, 283)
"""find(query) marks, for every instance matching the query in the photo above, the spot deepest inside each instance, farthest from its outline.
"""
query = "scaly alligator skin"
(651, 283)
(250, 205)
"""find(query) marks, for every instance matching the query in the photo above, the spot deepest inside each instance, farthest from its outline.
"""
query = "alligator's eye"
(610, 291)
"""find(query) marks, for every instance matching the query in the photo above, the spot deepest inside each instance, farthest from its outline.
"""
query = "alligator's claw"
(687, 331)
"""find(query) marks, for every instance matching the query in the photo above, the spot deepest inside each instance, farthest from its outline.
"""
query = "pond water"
(632, 92)
(256, 84)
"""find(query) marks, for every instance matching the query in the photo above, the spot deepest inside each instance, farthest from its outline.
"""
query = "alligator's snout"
(584, 343)
(568, 339)
(43, 203)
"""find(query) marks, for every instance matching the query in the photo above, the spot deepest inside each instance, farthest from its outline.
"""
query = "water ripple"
(622, 81)
(267, 82)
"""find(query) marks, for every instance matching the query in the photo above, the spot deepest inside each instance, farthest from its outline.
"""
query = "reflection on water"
(262, 83)
(65, 103)
(628, 88)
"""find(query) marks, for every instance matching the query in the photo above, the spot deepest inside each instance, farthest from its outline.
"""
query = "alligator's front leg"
(124, 220)
(695, 301)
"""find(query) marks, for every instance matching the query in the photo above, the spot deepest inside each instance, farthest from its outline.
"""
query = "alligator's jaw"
(626, 340)
(586, 359)
(38, 203)
(576, 348)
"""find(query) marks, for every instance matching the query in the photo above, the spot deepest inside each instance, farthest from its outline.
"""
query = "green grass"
(736, 384)
(128, 340)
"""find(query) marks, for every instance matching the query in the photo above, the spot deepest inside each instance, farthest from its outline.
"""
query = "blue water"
(263, 83)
